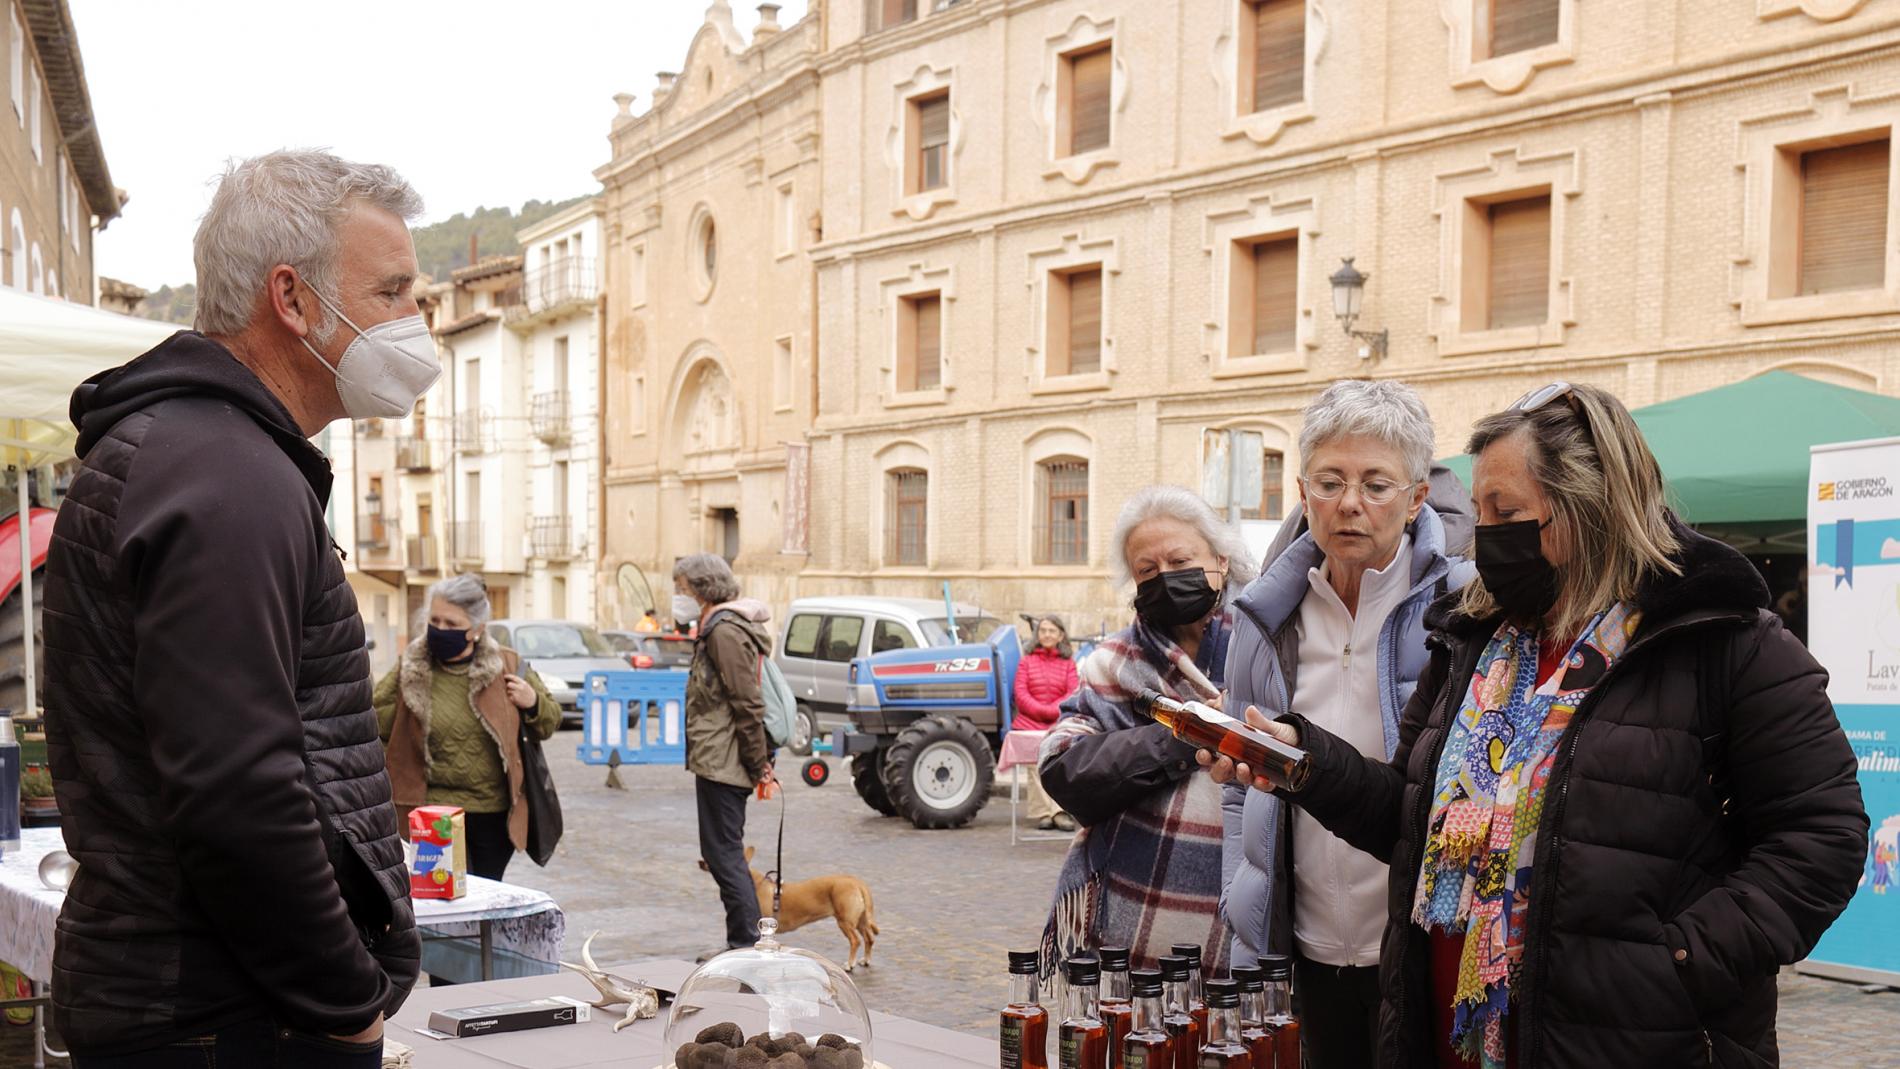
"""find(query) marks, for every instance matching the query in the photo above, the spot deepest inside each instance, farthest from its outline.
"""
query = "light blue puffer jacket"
(1261, 671)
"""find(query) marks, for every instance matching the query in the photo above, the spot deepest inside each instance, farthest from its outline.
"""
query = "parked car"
(562, 652)
(649, 649)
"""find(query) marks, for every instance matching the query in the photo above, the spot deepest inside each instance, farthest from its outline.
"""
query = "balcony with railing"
(378, 539)
(556, 286)
(414, 454)
(474, 432)
(465, 541)
(552, 537)
(422, 556)
(548, 417)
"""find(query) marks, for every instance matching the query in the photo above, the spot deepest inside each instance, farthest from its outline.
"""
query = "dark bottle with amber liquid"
(1082, 1038)
(1224, 1049)
(1025, 1025)
(1176, 1019)
(1147, 1044)
(1116, 1009)
(1197, 1002)
(1279, 1029)
(1203, 725)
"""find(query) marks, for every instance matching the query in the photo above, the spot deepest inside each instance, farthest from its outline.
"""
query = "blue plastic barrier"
(641, 715)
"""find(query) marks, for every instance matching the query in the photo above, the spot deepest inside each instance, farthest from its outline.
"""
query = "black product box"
(507, 1017)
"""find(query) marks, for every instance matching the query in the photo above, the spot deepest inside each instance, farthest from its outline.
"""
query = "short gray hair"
(1180, 503)
(709, 577)
(466, 592)
(1388, 411)
(283, 207)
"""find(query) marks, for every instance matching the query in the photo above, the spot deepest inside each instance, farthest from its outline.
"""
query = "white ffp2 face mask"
(385, 369)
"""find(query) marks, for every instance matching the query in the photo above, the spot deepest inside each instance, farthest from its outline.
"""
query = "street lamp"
(1349, 291)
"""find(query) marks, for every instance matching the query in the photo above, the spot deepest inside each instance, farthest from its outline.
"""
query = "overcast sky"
(478, 103)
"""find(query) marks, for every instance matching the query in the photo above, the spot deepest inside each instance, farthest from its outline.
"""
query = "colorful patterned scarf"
(1475, 878)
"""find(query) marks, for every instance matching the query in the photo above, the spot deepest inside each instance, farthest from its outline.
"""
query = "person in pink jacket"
(1045, 677)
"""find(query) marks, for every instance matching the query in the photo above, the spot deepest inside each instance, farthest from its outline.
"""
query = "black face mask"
(1171, 599)
(1511, 563)
(446, 644)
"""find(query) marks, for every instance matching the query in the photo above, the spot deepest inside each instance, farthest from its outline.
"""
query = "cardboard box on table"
(439, 836)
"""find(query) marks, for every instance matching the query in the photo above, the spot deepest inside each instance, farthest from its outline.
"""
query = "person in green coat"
(450, 714)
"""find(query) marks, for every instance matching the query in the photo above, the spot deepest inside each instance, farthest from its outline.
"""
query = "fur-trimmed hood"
(414, 676)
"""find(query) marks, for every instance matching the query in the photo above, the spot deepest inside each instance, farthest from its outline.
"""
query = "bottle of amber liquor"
(1116, 1010)
(1277, 1021)
(1253, 1002)
(1025, 1024)
(1224, 1049)
(1147, 1045)
(1286, 767)
(1197, 1004)
(1082, 1039)
(1176, 1018)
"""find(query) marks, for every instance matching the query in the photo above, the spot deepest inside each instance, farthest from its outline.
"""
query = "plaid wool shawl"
(1151, 875)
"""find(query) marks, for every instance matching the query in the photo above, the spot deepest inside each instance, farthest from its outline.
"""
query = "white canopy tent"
(47, 348)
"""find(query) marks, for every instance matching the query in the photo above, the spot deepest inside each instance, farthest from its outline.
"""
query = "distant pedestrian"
(648, 623)
(1044, 679)
(727, 748)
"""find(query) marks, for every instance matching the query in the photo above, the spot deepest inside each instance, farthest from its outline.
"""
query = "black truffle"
(834, 1041)
(750, 1058)
(786, 1061)
(853, 1058)
(725, 1033)
(826, 1058)
(684, 1056)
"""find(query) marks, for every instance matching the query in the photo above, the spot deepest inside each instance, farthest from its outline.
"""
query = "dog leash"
(778, 884)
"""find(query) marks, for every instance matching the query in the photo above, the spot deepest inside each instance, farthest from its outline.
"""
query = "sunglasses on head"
(1544, 395)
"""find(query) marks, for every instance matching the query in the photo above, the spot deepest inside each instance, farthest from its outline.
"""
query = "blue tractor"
(926, 724)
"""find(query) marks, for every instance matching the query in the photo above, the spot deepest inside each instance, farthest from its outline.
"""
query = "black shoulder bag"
(537, 788)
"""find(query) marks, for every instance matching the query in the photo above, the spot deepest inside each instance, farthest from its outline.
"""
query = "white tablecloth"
(28, 911)
(525, 922)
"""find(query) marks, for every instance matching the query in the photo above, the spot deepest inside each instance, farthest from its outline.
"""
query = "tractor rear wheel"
(939, 771)
(867, 775)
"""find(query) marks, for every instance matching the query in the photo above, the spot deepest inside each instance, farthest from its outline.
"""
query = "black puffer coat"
(209, 724)
(1656, 922)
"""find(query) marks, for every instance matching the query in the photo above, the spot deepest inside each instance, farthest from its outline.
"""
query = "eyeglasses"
(1544, 395)
(1372, 491)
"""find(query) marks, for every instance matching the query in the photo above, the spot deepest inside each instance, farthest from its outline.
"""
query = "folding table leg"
(488, 950)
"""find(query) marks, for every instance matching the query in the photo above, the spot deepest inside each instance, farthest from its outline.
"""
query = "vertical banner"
(797, 507)
(1854, 631)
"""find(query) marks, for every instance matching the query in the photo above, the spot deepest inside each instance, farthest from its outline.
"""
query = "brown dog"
(845, 899)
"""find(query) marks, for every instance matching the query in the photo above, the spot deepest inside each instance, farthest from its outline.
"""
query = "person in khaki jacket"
(450, 714)
(726, 745)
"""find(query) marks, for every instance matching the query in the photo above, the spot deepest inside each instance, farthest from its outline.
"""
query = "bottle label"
(1012, 1043)
(1138, 1059)
(1214, 716)
(1071, 1052)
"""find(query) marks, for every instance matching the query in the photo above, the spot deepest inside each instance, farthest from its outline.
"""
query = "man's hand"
(519, 692)
(1225, 769)
(372, 1034)
(768, 785)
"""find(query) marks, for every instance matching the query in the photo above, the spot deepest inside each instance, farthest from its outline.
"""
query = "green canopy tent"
(1736, 457)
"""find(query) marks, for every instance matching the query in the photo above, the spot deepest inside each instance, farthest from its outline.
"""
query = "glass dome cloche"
(769, 1006)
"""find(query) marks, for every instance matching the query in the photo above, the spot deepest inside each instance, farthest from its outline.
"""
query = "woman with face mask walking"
(1145, 870)
(450, 715)
(1620, 799)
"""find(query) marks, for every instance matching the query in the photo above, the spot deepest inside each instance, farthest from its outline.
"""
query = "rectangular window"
(840, 642)
(882, 14)
(560, 363)
(1272, 505)
(1272, 54)
(560, 488)
(1064, 530)
(16, 62)
(782, 374)
(1084, 99)
(1844, 217)
(1521, 25)
(906, 519)
(33, 111)
(472, 388)
(891, 635)
(919, 364)
(1266, 296)
(930, 162)
(787, 221)
(801, 636)
(1084, 291)
(1518, 282)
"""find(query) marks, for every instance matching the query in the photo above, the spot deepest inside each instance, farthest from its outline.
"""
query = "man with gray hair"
(241, 896)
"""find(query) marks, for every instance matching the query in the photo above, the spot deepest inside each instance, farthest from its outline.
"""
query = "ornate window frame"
(916, 281)
(1818, 10)
(1469, 20)
(1456, 194)
(1053, 443)
(1073, 253)
(900, 455)
(1768, 164)
(1265, 127)
(1083, 33)
(1265, 216)
(925, 81)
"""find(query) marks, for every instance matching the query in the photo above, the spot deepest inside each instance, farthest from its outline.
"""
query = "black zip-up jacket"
(209, 726)
(1657, 922)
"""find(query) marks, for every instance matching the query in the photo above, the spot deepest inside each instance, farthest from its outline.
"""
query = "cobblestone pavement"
(950, 903)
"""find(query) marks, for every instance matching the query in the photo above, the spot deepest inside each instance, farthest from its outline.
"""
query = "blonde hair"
(1606, 499)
